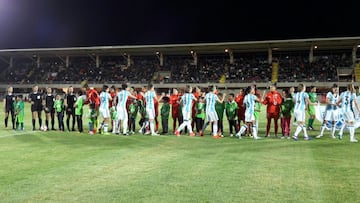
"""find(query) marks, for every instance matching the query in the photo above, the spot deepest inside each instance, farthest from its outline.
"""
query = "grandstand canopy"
(181, 49)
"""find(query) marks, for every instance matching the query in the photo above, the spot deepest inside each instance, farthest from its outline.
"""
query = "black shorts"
(70, 111)
(49, 109)
(9, 110)
(36, 108)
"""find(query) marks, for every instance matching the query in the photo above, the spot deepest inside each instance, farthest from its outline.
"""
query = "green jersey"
(113, 113)
(231, 109)
(92, 115)
(257, 110)
(219, 108)
(59, 105)
(286, 107)
(79, 106)
(312, 97)
(165, 111)
(133, 110)
(200, 110)
(19, 110)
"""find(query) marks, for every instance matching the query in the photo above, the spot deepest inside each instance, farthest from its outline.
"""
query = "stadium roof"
(201, 48)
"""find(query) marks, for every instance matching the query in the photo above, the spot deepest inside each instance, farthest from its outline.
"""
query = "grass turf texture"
(55, 166)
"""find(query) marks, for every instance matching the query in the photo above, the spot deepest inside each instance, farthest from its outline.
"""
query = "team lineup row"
(120, 107)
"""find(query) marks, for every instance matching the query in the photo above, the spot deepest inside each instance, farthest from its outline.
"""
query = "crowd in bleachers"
(183, 69)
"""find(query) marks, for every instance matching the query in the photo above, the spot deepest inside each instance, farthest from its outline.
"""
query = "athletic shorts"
(105, 113)
(249, 117)
(122, 113)
(299, 115)
(150, 113)
(271, 115)
(186, 115)
(349, 116)
(212, 116)
(331, 115)
(35, 108)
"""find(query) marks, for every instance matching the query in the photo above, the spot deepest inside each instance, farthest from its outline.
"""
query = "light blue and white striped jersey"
(187, 100)
(300, 101)
(333, 100)
(347, 99)
(249, 101)
(122, 97)
(149, 99)
(104, 100)
(211, 99)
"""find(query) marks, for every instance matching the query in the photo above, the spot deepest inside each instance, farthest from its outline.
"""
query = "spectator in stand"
(273, 101)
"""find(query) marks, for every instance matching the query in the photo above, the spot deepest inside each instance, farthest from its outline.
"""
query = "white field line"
(17, 133)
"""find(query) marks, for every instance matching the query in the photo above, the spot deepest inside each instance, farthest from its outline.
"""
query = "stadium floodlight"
(226, 50)
(358, 46)
(192, 51)
(157, 53)
(315, 47)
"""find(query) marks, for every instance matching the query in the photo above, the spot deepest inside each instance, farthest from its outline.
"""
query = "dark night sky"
(69, 23)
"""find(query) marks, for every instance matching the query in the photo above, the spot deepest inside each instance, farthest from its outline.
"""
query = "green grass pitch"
(55, 166)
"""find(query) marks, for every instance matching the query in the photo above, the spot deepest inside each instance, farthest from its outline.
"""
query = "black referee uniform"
(70, 110)
(49, 109)
(36, 106)
(9, 109)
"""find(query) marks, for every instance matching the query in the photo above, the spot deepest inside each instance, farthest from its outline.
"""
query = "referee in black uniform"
(70, 109)
(35, 99)
(49, 108)
(9, 106)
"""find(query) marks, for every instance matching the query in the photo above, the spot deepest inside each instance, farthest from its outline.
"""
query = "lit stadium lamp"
(226, 50)
(157, 53)
(358, 46)
(315, 47)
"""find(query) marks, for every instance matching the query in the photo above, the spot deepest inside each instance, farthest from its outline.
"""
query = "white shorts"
(249, 117)
(212, 116)
(299, 115)
(150, 113)
(331, 115)
(105, 113)
(349, 116)
(186, 115)
(122, 113)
